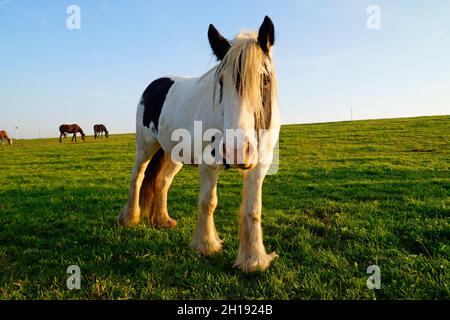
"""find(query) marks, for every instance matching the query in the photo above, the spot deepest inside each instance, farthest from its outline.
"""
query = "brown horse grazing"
(71, 128)
(99, 129)
(4, 136)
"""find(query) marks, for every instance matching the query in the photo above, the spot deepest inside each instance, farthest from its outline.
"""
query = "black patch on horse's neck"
(213, 151)
(153, 100)
(267, 100)
(221, 90)
(238, 83)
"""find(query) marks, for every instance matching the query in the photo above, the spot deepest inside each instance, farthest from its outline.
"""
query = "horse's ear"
(266, 35)
(219, 44)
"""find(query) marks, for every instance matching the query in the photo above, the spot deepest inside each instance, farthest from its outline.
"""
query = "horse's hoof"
(125, 219)
(167, 223)
(254, 263)
(207, 248)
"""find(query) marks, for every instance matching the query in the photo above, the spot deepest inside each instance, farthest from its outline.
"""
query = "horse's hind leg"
(206, 240)
(164, 179)
(130, 214)
(153, 199)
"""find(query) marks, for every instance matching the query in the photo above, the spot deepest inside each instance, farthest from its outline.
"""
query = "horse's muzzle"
(243, 158)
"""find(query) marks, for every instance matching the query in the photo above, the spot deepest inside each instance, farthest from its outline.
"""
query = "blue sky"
(327, 59)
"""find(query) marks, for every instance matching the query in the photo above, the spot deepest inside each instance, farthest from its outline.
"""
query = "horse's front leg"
(206, 240)
(252, 255)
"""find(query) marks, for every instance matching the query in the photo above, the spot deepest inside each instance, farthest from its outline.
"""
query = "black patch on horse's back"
(153, 100)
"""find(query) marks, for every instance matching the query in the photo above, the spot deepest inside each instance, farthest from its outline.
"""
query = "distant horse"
(4, 136)
(239, 94)
(71, 128)
(99, 129)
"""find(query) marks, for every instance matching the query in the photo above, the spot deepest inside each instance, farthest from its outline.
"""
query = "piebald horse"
(4, 136)
(99, 129)
(70, 128)
(240, 93)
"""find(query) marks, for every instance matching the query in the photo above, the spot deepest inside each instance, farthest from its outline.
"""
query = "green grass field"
(347, 195)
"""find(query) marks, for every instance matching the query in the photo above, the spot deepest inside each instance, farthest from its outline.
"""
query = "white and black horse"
(237, 95)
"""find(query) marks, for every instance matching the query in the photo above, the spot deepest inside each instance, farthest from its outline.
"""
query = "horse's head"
(10, 141)
(106, 134)
(245, 89)
(83, 136)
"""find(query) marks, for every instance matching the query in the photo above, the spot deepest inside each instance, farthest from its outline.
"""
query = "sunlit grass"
(347, 195)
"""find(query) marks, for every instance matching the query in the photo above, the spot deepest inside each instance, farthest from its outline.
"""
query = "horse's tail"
(146, 194)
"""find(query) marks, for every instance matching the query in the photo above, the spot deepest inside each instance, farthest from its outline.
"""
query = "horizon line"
(284, 124)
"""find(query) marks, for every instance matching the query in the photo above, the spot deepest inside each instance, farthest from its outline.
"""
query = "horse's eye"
(266, 82)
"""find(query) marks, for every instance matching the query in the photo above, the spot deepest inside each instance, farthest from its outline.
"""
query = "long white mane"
(247, 65)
